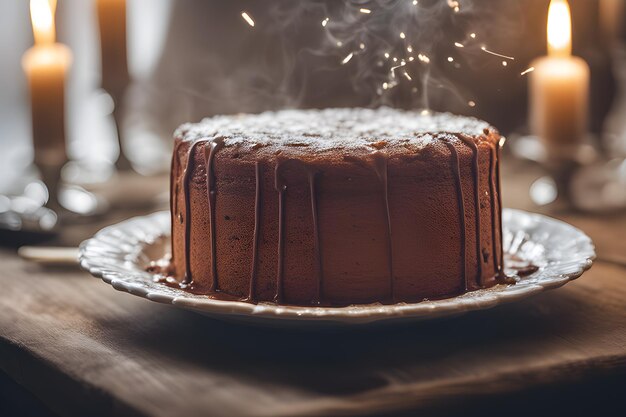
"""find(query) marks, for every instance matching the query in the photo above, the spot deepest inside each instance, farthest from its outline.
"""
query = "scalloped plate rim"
(123, 280)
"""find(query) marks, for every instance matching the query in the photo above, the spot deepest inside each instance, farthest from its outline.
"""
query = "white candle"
(112, 23)
(559, 87)
(46, 65)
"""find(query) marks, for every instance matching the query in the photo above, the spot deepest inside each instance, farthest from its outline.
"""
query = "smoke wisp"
(407, 51)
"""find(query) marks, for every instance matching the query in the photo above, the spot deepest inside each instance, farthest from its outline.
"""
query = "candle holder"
(24, 217)
(604, 181)
(122, 163)
(578, 177)
(51, 178)
(33, 209)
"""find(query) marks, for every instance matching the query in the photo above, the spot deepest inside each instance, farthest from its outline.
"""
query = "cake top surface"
(332, 128)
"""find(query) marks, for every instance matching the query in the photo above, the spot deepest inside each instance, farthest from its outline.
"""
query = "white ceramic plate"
(119, 254)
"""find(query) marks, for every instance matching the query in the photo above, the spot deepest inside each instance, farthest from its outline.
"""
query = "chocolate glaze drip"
(492, 203)
(500, 275)
(209, 155)
(380, 165)
(258, 206)
(281, 187)
(186, 184)
(461, 201)
(316, 236)
(174, 193)
(479, 261)
(494, 184)
(500, 252)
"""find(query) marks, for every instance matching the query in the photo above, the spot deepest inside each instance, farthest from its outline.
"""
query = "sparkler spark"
(484, 48)
(454, 5)
(393, 69)
(402, 61)
(425, 59)
(527, 71)
(247, 18)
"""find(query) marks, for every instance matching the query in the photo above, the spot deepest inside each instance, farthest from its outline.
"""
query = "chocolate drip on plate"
(209, 154)
(476, 173)
(258, 207)
(461, 201)
(380, 165)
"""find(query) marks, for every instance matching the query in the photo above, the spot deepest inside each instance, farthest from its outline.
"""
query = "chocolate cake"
(336, 207)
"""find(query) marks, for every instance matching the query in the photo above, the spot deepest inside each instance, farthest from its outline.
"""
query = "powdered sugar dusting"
(331, 128)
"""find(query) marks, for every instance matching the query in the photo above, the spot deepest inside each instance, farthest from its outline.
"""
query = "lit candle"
(46, 65)
(112, 22)
(559, 87)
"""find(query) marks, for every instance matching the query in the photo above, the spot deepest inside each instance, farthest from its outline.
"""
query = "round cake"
(336, 207)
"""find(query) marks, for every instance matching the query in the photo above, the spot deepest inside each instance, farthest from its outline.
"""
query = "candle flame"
(42, 17)
(559, 28)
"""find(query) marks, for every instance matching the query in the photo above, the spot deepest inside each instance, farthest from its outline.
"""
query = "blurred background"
(188, 59)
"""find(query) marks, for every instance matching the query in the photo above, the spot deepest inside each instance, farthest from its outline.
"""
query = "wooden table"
(80, 348)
